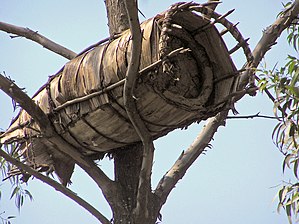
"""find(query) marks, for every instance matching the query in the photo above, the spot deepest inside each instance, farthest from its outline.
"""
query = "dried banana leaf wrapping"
(179, 91)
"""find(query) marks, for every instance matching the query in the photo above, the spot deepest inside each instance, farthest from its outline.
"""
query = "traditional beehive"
(186, 75)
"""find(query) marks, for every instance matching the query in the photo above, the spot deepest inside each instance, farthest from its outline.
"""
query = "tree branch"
(10, 88)
(38, 38)
(58, 187)
(144, 186)
(257, 115)
(270, 35)
(178, 170)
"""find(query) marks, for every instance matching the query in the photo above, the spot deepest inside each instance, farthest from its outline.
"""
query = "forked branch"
(38, 38)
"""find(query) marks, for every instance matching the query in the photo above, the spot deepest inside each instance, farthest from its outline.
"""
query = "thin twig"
(270, 96)
(38, 38)
(257, 115)
(58, 187)
(144, 187)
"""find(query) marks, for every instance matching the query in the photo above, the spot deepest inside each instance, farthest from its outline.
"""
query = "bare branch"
(144, 186)
(58, 187)
(50, 136)
(270, 35)
(257, 115)
(38, 38)
(18, 95)
(178, 170)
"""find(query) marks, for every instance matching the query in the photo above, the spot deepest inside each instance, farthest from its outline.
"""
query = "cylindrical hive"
(88, 112)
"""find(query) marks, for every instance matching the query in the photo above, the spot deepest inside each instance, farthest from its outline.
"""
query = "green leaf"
(292, 129)
(284, 193)
(295, 41)
(295, 78)
(289, 213)
(279, 206)
(280, 194)
(21, 201)
(286, 161)
(15, 191)
(11, 217)
(296, 168)
(296, 91)
(29, 195)
(18, 201)
(295, 198)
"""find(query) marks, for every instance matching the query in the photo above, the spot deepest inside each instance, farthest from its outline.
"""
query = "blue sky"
(235, 182)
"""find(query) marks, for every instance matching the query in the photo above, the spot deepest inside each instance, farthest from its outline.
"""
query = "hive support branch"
(144, 187)
(178, 170)
(270, 35)
(57, 186)
(186, 159)
(38, 38)
(17, 94)
(11, 89)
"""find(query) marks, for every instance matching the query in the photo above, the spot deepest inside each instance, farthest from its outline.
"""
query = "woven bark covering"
(179, 91)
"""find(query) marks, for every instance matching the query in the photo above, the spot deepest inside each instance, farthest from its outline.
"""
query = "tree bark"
(119, 23)
(128, 160)
(127, 164)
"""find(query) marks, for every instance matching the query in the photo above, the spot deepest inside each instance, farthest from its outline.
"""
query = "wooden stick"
(38, 38)
(144, 187)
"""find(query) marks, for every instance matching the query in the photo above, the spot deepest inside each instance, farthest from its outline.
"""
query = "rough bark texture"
(119, 23)
(127, 164)
(127, 161)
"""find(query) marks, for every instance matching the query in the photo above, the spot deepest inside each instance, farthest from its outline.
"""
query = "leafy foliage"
(7, 219)
(19, 193)
(284, 83)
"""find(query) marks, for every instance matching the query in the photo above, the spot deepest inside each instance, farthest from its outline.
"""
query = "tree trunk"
(127, 164)
(118, 23)
(127, 161)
